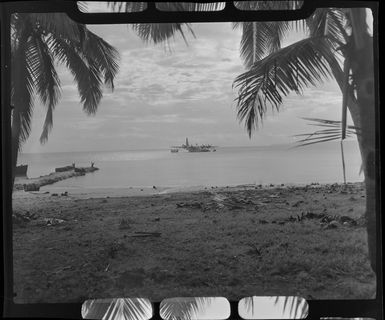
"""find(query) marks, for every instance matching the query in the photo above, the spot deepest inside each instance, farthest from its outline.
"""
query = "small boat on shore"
(21, 171)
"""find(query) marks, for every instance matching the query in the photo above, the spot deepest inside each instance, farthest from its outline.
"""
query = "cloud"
(163, 93)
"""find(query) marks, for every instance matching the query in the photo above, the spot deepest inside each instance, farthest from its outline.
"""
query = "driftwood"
(145, 234)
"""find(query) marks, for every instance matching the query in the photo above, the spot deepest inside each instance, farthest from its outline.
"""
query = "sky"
(164, 94)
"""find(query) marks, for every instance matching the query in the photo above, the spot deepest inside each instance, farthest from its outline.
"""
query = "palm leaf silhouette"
(332, 132)
(140, 309)
(183, 308)
(117, 309)
(291, 307)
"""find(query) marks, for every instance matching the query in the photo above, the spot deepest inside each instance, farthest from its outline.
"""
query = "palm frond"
(290, 307)
(269, 5)
(102, 54)
(23, 61)
(88, 69)
(334, 132)
(111, 309)
(302, 64)
(71, 56)
(190, 6)
(161, 32)
(183, 308)
(127, 6)
(260, 39)
(298, 307)
(88, 44)
(46, 81)
(58, 24)
(156, 32)
(330, 22)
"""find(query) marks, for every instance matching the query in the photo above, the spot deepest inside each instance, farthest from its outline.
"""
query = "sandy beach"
(156, 243)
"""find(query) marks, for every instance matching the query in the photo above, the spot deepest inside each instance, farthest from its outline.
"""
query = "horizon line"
(167, 148)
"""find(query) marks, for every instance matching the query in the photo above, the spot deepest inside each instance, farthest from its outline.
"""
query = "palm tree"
(338, 46)
(38, 43)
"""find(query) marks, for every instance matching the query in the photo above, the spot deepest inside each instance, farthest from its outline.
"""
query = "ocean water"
(228, 166)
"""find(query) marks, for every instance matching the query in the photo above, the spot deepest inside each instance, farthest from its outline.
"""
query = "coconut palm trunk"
(334, 35)
(16, 125)
(363, 77)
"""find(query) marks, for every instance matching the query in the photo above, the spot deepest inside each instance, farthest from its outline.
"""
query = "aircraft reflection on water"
(193, 148)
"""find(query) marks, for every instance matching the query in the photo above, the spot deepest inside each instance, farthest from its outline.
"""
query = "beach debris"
(64, 194)
(296, 204)
(52, 221)
(195, 204)
(125, 223)
(114, 247)
(21, 219)
(254, 251)
(219, 199)
(326, 220)
(141, 234)
(31, 187)
(348, 221)
(331, 225)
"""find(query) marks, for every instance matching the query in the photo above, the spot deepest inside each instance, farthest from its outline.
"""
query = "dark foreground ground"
(232, 242)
